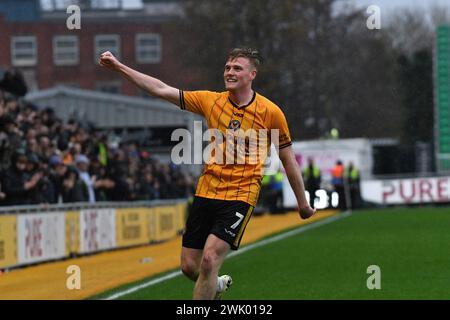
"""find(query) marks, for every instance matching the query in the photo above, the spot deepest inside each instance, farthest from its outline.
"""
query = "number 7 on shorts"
(240, 216)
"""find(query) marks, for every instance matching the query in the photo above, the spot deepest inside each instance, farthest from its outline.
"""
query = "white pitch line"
(144, 285)
(288, 234)
(252, 246)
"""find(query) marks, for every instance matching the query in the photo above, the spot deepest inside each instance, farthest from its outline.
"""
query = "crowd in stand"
(46, 160)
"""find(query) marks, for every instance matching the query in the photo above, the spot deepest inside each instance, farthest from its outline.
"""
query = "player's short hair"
(251, 54)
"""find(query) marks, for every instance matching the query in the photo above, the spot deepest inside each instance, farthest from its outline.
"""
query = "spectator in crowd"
(46, 147)
(44, 191)
(132, 187)
(147, 187)
(20, 188)
(58, 171)
(103, 183)
(272, 192)
(2, 101)
(2, 194)
(74, 189)
(337, 181)
(276, 192)
(12, 106)
(72, 153)
(102, 151)
(32, 147)
(82, 163)
(183, 185)
(4, 145)
(352, 179)
(312, 178)
(164, 176)
(277, 187)
(26, 116)
(32, 165)
(119, 169)
(10, 139)
(48, 117)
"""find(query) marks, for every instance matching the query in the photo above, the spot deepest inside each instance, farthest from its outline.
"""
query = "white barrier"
(40, 237)
(407, 191)
(31, 234)
(97, 230)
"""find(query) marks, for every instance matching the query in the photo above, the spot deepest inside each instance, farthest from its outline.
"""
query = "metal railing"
(84, 206)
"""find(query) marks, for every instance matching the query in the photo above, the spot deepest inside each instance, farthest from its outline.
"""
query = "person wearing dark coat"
(74, 190)
(19, 187)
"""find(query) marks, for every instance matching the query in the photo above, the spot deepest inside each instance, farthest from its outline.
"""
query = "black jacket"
(14, 187)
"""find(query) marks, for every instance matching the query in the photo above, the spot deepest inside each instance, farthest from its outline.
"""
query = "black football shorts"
(225, 219)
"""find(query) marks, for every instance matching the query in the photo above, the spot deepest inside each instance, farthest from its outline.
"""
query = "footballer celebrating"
(227, 191)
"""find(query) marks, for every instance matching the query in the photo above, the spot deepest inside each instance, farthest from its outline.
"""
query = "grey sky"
(386, 6)
(126, 3)
(132, 3)
(390, 6)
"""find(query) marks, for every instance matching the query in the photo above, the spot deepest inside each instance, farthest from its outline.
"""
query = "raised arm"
(287, 157)
(153, 86)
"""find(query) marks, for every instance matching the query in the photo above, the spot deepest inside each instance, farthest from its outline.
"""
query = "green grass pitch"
(410, 245)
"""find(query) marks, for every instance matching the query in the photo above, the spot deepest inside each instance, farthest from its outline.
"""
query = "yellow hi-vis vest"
(316, 172)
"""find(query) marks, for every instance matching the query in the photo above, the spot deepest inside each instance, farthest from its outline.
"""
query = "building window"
(107, 42)
(24, 51)
(148, 48)
(65, 50)
(109, 86)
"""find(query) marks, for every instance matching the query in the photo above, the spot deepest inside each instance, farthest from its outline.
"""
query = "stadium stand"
(45, 160)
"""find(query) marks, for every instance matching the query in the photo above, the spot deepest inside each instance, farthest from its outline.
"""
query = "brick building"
(50, 54)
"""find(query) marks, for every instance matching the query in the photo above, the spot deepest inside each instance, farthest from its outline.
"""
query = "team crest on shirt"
(234, 124)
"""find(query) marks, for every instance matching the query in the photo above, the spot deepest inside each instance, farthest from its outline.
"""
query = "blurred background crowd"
(46, 160)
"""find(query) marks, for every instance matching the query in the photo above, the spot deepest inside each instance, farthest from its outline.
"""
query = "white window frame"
(21, 62)
(99, 50)
(139, 48)
(76, 50)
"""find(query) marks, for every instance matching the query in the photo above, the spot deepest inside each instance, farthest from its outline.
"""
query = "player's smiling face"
(239, 73)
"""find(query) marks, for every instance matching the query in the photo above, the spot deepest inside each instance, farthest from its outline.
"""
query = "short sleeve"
(196, 101)
(279, 122)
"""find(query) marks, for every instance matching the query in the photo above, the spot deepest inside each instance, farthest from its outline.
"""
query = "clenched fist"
(108, 60)
(307, 212)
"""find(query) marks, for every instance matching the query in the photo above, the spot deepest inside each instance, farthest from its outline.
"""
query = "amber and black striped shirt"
(236, 181)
